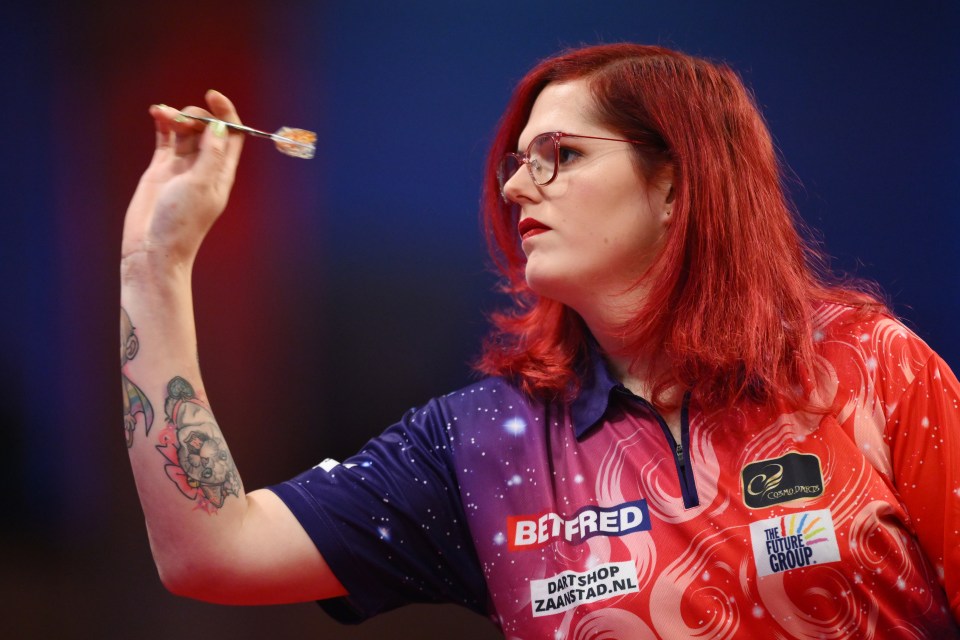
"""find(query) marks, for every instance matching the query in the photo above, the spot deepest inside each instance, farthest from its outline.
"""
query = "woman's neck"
(628, 369)
(636, 372)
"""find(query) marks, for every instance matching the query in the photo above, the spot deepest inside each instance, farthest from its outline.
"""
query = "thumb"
(219, 147)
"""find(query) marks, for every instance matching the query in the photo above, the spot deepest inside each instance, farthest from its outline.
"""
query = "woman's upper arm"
(272, 560)
(924, 431)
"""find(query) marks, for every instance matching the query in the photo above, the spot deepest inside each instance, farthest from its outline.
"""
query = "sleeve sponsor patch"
(794, 541)
(569, 589)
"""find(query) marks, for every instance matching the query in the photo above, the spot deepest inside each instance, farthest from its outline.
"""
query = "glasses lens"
(509, 165)
(543, 158)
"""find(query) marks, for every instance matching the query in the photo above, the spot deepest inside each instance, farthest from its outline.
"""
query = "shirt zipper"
(688, 486)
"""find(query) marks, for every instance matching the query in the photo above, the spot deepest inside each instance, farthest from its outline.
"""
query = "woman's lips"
(530, 227)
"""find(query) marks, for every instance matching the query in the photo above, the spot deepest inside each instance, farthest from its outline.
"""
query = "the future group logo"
(794, 541)
(533, 531)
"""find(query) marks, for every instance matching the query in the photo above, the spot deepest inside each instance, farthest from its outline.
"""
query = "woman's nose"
(521, 187)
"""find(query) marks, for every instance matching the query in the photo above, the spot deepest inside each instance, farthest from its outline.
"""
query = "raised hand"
(186, 186)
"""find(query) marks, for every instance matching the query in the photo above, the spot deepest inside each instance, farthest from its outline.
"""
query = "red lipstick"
(530, 227)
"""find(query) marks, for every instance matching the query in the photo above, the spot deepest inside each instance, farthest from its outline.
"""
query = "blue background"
(338, 292)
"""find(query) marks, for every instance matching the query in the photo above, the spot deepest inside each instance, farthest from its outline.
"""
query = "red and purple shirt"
(588, 520)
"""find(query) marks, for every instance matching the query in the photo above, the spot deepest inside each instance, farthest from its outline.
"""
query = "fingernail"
(219, 129)
(180, 118)
(160, 105)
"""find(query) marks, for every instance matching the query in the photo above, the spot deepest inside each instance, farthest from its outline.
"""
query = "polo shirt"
(587, 519)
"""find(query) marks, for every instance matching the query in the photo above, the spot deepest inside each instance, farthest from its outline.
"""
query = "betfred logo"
(534, 531)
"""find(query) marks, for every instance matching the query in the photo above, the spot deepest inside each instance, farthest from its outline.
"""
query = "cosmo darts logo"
(793, 476)
(533, 531)
(793, 542)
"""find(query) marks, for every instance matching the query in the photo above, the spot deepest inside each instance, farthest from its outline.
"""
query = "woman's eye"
(566, 155)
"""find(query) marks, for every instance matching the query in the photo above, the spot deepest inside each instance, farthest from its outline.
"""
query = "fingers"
(161, 123)
(215, 149)
(176, 133)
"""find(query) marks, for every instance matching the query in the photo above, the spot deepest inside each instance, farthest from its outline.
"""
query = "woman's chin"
(548, 284)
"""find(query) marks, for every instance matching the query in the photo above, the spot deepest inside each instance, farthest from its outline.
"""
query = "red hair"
(731, 296)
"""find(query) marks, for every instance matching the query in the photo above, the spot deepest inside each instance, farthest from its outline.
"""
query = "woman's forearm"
(189, 486)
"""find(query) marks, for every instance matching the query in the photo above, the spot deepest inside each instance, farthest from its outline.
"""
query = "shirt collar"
(597, 382)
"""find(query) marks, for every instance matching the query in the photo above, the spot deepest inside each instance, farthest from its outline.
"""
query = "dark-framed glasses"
(542, 157)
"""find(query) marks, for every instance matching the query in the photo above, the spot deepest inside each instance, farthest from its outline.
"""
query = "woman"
(685, 430)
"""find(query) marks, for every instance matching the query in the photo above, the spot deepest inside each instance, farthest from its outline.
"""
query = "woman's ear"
(662, 187)
(664, 183)
(668, 203)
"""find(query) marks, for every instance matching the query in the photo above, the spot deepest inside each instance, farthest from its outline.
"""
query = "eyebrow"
(522, 149)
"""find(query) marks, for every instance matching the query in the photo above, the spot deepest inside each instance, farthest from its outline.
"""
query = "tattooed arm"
(210, 539)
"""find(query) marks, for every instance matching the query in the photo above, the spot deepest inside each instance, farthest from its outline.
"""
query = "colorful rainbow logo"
(790, 527)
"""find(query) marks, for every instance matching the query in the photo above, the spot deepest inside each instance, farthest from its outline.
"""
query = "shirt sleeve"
(390, 523)
(924, 435)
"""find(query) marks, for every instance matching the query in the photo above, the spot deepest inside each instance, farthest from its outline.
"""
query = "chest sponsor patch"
(790, 477)
(566, 590)
(794, 541)
(533, 531)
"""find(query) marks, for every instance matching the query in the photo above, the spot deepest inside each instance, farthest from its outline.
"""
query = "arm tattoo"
(136, 406)
(198, 460)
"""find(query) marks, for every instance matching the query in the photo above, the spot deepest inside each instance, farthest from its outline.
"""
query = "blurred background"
(336, 293)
